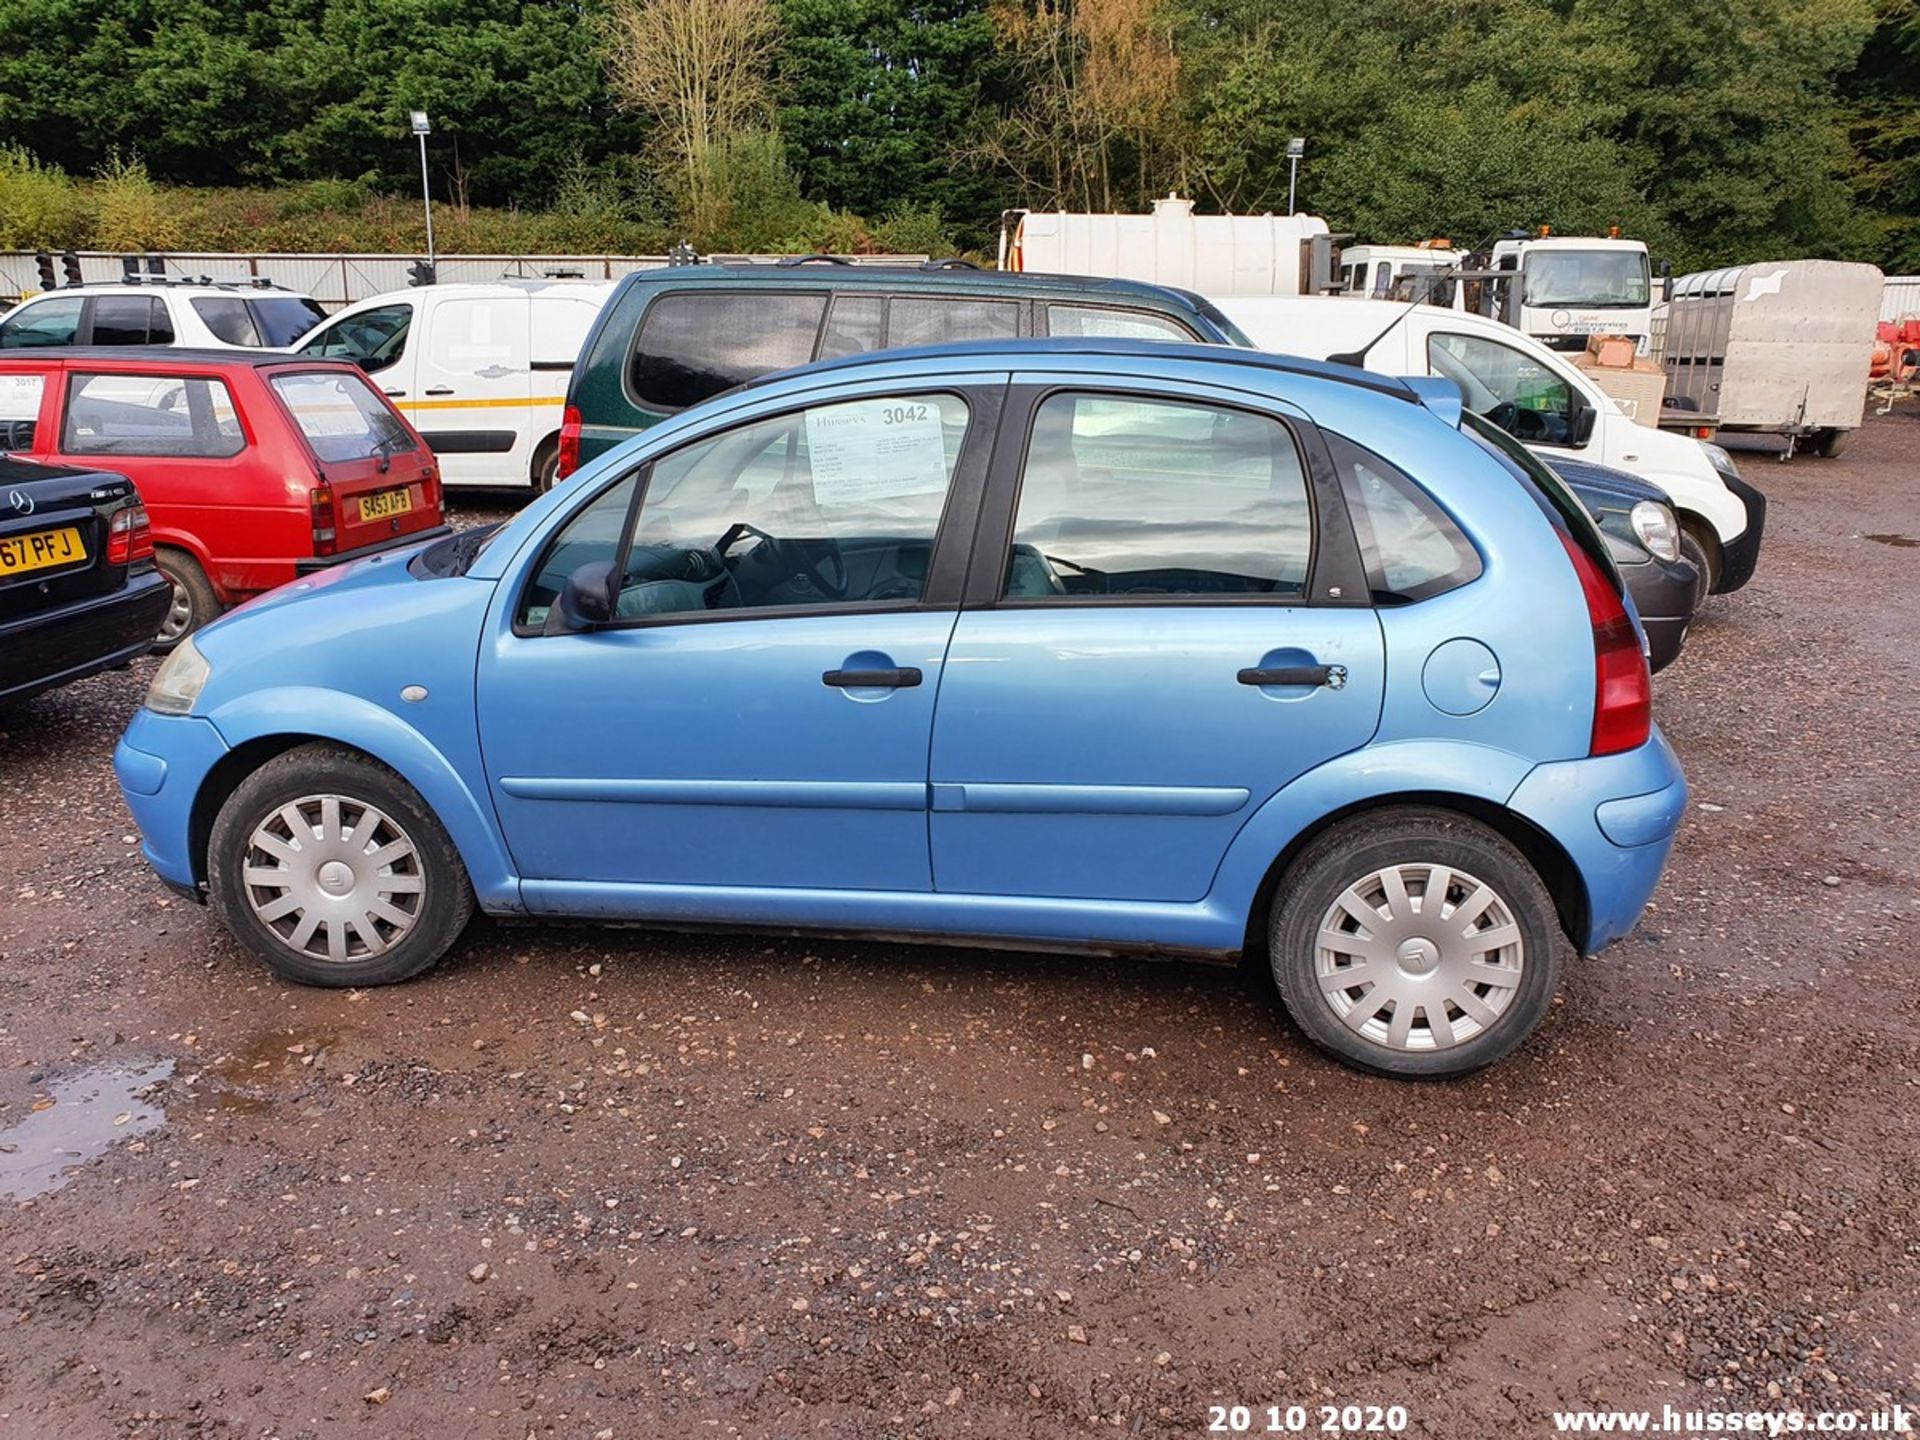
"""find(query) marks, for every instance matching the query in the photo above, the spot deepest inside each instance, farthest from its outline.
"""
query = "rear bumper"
(73, 641)
(161, 763)
(1740, 555)
(1615, 815)
(306, 565)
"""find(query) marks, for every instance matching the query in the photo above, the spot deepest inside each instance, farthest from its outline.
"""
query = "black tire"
(546, 465)
(445, 896)
(1831, 444)
(194, 601)
(1698, 553)
(1358, 848)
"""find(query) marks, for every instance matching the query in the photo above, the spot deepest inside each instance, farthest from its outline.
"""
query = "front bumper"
(1615, 815)
(1663, 595)
(1740, 555)
(306, 565)
(55, 647)
(162, 762)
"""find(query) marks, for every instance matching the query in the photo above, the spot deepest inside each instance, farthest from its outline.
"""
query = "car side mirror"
(1584, 419)
(586, 600)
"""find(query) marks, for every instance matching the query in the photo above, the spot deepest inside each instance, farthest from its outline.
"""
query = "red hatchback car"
(255, 467)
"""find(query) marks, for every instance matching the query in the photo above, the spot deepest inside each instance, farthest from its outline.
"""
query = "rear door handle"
(903, 678)
(1334, 677)
(441, 390)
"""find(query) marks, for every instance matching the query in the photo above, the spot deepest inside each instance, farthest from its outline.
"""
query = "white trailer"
(1213, 254)
(1778, 347)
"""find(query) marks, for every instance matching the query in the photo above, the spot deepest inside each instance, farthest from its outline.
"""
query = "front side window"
(833, 505)
(187, 416)
(131, 320)
(228, 318)
(47, 322)
(372, 339)
(1147, 499)
(1411, 547)
(1506, 386)
(1092, 321)
(282, 319)
(341, 416)
(693, 346)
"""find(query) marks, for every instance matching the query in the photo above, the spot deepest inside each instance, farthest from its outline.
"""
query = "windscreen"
(1593, 278)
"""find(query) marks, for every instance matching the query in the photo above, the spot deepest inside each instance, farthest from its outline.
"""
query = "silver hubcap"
(179, 613)
(334, 878)
(1419, 957)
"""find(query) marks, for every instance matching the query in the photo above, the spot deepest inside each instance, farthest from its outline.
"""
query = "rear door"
(381, 479)
(474, 387)
(1159, 635)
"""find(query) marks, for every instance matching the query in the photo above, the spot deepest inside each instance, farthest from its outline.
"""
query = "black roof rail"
(952, 262)
(788, 262)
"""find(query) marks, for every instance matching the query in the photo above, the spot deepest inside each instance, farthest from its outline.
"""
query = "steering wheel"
(802, 557)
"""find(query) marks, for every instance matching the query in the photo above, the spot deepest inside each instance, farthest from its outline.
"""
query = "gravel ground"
(593, 1183)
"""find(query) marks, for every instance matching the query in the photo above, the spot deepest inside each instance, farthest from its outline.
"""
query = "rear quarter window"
(1410, 546)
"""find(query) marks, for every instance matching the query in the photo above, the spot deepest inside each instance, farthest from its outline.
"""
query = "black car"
(1638, 521)
(78, 589)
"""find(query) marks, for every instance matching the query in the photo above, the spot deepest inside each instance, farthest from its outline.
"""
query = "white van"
(1534, 393)
(481, 370)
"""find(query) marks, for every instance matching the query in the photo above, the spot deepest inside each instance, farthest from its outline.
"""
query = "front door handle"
(393, 394)
(441, 390)
(903, 678)
(1334, 677)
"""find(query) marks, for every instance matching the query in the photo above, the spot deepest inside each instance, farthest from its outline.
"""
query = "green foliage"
(131, 212)
(39, 205)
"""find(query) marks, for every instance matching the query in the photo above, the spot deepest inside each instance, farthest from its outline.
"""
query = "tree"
(702, 70)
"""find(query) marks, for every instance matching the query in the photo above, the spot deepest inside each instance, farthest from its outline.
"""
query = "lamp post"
(422, 129)
(1296, 147)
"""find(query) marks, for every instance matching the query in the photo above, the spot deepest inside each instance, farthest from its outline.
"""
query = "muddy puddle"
(79, 1119)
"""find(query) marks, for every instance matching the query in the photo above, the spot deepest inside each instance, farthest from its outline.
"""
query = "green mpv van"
(667, 339)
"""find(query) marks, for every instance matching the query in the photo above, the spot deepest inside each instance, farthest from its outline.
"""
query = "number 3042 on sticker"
(1306, 1419)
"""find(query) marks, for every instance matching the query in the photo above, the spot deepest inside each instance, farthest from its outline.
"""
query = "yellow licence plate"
(42, 550)
(386, 503)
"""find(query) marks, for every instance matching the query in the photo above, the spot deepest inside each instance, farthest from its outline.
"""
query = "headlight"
(1720, 459)
(1657, 529)
(180, 679)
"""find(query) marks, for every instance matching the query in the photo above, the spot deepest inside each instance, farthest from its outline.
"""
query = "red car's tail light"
(1622, 688)
(569, 458)
(325, 536)
(129, 536)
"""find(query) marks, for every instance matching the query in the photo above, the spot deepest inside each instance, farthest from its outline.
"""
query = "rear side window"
(50, 322)
(856, 324)
(131, 320)
(925, 320)
(1411, 547)
(1099, 322)
(1145, 499)
(187, 416)
(228, 318)
(341, 416)
(695, 345)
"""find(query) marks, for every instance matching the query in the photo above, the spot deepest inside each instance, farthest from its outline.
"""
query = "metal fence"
(336, 280)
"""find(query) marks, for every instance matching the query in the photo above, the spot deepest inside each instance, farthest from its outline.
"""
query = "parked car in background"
(255, 467)
(1537, 396)
(1102, 644)
(673, 337)
(480, 369)
(200, 314)
(1644, 538)
(78, 589)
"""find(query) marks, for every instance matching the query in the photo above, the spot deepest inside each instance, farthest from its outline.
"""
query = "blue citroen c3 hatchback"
(1109, 646)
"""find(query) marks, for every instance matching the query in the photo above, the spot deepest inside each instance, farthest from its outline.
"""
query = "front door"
(473, 382)
(1149, 669)
(758, 712)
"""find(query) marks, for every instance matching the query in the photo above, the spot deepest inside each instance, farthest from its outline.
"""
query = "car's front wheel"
(1415, 942)
(333, 870)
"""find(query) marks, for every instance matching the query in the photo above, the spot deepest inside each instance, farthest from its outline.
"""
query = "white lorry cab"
(1403, 272)
(1536, 395)
(480, 369)
(1211, 254)
(1562, 288)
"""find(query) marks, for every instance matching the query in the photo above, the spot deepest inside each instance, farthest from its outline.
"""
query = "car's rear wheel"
(194, 602)
(546, 465)
(1415, 942)
(334, 871)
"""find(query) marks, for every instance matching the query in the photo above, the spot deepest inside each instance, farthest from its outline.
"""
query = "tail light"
(129, 536)
(326, 537)
(569, 457)
(1622, 688)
